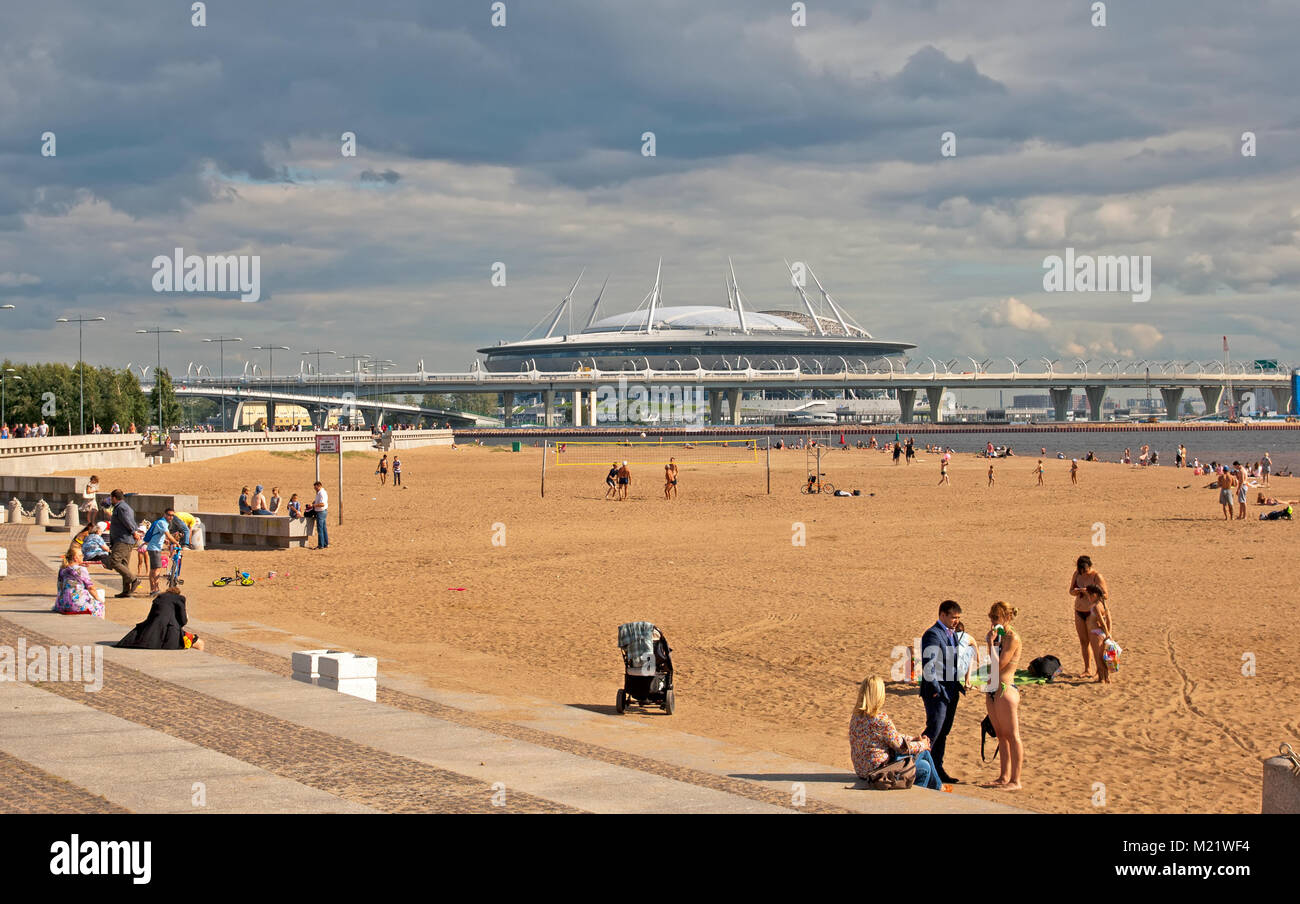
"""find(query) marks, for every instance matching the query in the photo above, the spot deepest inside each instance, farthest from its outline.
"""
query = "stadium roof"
(696, 317)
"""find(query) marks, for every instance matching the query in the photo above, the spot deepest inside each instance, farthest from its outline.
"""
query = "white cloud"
(1016, 314)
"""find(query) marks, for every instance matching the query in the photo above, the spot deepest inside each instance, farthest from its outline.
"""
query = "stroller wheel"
(620, 702)
(670, 702)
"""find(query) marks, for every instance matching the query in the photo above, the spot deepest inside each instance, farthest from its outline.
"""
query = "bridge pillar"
(733, 403)
(715, 406)
(1173, 397)
(1061, 403)
(237, 416)
(935, 395)
(1096, 395)
(1281, 397)
(1212, 396)
(906, 402)
(548, 399)
(577, 408)
(508, 405)
(1238, 398)
(591, 407)
(270, 414)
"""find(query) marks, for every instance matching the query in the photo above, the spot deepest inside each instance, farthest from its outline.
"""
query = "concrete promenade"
(227, 730)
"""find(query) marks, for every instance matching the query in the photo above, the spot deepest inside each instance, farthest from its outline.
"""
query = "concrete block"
(343, 666)
(306, 661)
(365, 688)
(4, 563)
(1281, 793)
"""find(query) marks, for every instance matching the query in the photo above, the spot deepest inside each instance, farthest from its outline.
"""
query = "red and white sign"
(328, 444)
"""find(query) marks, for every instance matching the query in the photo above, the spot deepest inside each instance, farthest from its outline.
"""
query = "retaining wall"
(33, 457)
(202, 446)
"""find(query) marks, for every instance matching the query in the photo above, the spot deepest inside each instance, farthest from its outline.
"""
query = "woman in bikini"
(1084, 576)
(1003, 701)
(1098, 628)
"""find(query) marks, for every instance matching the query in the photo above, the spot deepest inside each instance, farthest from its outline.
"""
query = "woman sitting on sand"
(1084, 576)
(874, 741)
(76, 595)
(1003, 701)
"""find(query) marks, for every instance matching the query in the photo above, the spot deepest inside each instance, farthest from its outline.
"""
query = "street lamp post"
(318, 352)
(354, 359)
(221, 343)
(79, 321)
(270, 404)
(157, 373)
(3, 380)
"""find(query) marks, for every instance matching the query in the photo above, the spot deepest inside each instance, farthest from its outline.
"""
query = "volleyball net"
(593, 454)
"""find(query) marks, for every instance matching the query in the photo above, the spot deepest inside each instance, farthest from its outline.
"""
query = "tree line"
(52, 393)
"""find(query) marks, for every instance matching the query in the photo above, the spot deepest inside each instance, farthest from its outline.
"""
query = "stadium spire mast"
(817, 324)
(740, 307)
(654, 299)
(839, 315)
(559, 311)
(591, 318)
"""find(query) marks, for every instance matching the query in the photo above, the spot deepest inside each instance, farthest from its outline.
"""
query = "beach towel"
(1023, 676)
(637, 638)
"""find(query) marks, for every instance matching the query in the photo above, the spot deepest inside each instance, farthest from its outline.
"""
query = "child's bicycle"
(174, 578)
(242, 578)
(816, 485)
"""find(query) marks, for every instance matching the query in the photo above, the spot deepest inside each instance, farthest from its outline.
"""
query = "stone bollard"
(42, 513)
(349, 674)
(196, 535)
(1281, 783)
(15, 510)
(72, 517)
(4, 563)
(306, 664)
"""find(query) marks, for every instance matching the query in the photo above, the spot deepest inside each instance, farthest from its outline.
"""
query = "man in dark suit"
(939, 685)
(123, 533)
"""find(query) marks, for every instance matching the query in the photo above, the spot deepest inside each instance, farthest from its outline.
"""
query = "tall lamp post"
(318, 352)
(221, 343)
(157, 373)
(354, 359)
(4, 377)
(80, 321)
(270, 404)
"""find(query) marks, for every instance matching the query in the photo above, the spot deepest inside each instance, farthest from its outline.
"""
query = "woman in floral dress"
(76, 590)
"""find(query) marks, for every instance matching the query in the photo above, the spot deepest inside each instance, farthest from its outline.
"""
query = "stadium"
(690, 337)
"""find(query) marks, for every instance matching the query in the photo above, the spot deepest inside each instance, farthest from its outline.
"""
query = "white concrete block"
(342, 666)
(364, 688)
(306, 662)
(4, 563)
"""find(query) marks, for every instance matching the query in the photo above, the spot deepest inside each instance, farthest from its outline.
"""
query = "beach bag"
(986, 731)
(1045, 667)
(897, 775)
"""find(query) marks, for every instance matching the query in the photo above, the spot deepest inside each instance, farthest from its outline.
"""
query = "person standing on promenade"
(122, 536)
(320, 507)
(940, 686)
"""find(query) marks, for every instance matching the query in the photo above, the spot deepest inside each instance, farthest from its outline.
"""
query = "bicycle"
(815, 485)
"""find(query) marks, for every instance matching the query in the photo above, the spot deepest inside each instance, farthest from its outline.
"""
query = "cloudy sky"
(523, 145)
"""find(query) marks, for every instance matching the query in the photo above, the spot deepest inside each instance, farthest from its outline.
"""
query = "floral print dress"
(76, 594)
(873, 740)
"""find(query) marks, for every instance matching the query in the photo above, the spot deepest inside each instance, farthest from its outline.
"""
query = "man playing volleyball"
(624, 481)
(611, 481)
(670, 478)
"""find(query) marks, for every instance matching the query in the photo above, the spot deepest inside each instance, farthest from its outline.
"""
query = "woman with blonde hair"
(874, 741)
(77, 592)
(1003, 700)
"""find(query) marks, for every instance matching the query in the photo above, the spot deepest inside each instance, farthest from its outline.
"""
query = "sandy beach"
(770, 638)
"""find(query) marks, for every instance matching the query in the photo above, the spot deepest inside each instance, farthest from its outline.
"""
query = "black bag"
(1045, 667)
(896, 775)
(986, 731)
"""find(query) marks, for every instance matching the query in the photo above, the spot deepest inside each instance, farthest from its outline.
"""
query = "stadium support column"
(715, 406)
(733, 402)
(1173, 396)
(577, 408)
(591, 407)
(507, 406)
(548, 399)
(1096, 395)
(1061, 403)
(1212, 396)
(1281, 397)
(906, 402)
(935, 395)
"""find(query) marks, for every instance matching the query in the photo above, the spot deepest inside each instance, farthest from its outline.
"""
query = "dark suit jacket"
(939, 666)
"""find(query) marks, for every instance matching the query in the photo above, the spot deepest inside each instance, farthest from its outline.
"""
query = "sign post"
(331, 444)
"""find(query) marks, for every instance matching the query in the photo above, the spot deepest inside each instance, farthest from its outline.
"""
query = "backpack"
(1045, 667)
(896, 775)
(986, 731)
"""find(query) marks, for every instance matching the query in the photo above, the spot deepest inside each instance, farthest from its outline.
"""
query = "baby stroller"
(648, 668)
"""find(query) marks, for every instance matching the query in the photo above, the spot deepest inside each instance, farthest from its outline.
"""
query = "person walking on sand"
(992, 480)
(898, 451)
(910, 450)
(943, 472)
(1225, 492)
(670, 478)
(382, 470)
(1003, 699)
(940, 684)
(1074, 471)
(1084, 576)
(397, 472)
(624, 481)
(1039, 471)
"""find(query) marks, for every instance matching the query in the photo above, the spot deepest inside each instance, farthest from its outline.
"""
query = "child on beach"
(991, 480)
(1039, 472)
(1074, 471)
(1098, 626)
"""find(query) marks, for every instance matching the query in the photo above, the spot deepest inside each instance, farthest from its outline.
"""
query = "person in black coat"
(940, 686)
(164, 627)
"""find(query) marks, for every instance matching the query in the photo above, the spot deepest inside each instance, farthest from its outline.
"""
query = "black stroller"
(648, 668)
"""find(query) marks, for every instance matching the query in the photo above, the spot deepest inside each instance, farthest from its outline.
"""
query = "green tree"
(171, 409)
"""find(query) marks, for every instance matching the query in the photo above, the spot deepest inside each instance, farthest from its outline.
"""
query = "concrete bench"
(225, 531)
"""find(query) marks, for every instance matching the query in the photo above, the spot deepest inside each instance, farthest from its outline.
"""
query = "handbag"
(896, 775)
